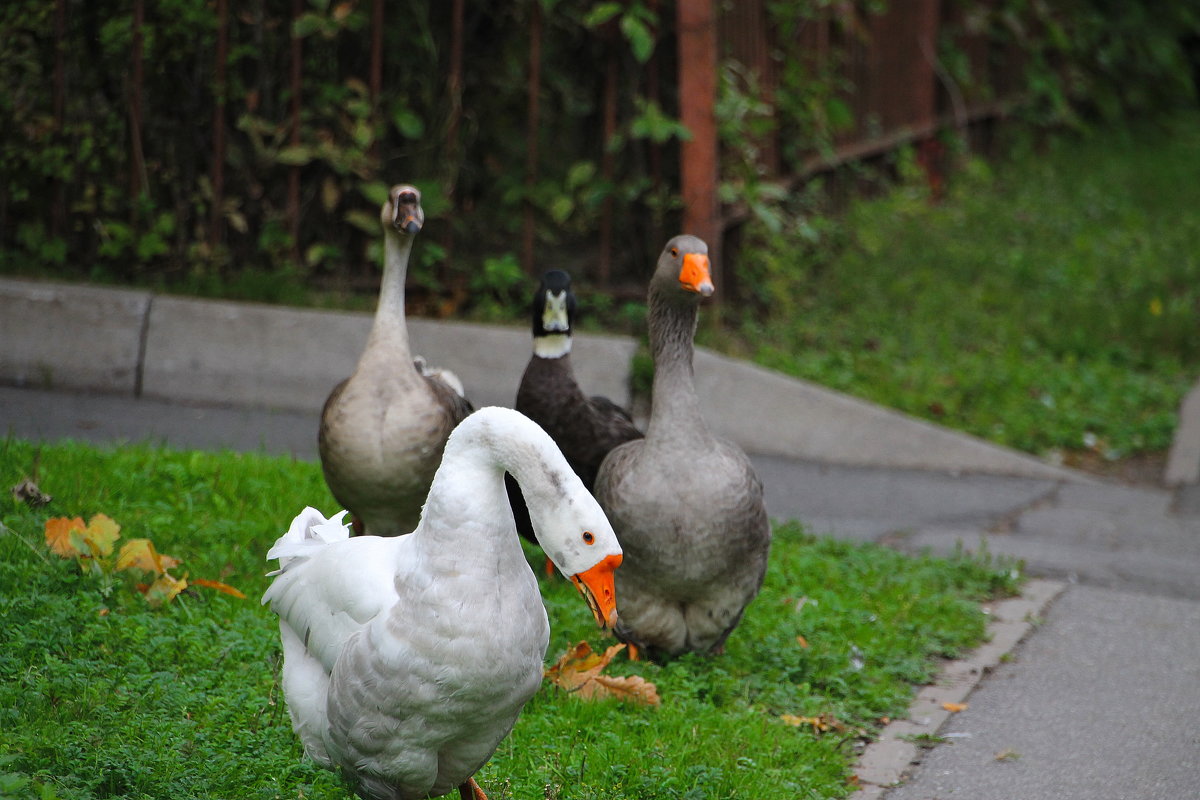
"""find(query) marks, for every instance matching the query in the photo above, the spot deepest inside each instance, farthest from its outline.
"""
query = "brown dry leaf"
(141, 554)
(631, 688)
(800, 640)
(100, 535)
(220, 587)
(578, 671)
(164, 590)
(820, 723)
(64, 536)
(954, 708)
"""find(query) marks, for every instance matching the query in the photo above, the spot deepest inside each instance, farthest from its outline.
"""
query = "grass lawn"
(102, 696)
(1050, 302)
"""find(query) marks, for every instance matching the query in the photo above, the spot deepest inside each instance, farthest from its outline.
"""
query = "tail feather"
(308, 533)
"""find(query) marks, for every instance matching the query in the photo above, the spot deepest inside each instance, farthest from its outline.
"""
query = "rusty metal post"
(696, 21)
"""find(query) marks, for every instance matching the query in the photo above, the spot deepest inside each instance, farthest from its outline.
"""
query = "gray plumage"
(383, 429)
(687, 506)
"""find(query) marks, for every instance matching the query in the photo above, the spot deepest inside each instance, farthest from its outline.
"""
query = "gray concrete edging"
(889, 759)
(64, 336)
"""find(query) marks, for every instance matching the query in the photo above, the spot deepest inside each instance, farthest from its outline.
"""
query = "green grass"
(1049, 303)
(101, 696)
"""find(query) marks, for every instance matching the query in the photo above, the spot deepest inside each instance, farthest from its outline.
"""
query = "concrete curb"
(889, 759)
(1183, 459)
(244, 354)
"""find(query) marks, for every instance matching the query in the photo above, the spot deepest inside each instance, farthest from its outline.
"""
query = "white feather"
(407, 659)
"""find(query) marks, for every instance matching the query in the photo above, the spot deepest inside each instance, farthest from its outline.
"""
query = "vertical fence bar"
(296, 71)
(137, 162)
(696, 21)
(608, 163)
(218, 154)
(531, 144)
(454, 84)
(375, 82)
(58, 213)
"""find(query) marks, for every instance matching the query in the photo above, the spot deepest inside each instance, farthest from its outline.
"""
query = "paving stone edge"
(890, 759)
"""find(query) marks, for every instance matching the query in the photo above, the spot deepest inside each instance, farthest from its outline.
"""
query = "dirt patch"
(1142, 469)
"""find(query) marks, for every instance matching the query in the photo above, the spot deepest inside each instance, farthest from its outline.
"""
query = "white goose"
(407, 659)
(383, 428)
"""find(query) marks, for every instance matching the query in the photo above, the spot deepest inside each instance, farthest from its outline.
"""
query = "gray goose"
(686, 505)
(383, 429)
(585, 428)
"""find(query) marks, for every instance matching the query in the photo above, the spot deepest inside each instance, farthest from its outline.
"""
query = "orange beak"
(596, 586)
(695, 275)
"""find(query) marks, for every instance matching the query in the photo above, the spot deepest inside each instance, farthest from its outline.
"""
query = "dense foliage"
(1049, 302)
(86, 192)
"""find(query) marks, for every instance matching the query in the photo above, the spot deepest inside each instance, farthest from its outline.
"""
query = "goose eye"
(589, 537)
(674, 252)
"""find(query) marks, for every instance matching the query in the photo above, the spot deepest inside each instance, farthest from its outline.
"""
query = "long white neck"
(389, 322)
(468, 498)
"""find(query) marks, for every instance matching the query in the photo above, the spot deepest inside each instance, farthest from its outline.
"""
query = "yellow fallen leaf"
(64, 536)
(820, 723)
(141, 554)
(954, 708)
(100, 535)
(164, 590)
(800, 640)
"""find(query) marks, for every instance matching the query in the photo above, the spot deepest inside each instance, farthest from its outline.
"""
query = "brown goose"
(686, 505)
(383, 428)
(585, 428)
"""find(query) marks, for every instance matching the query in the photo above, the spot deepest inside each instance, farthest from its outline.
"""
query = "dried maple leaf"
(100, 535)
(64, 536)
(954, 708)
(164, 590)
(631, 688)
(578, 672)
(220, 587)
(820, 723)
(141, 554)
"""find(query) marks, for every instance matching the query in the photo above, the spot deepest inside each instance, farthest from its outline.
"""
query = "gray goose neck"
(672, 328)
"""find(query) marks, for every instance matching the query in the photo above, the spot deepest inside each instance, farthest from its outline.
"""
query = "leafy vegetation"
(1050, 303)
(117, 123)
(104, 696)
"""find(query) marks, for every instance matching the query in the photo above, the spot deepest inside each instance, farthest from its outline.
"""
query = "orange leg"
(471, 791)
